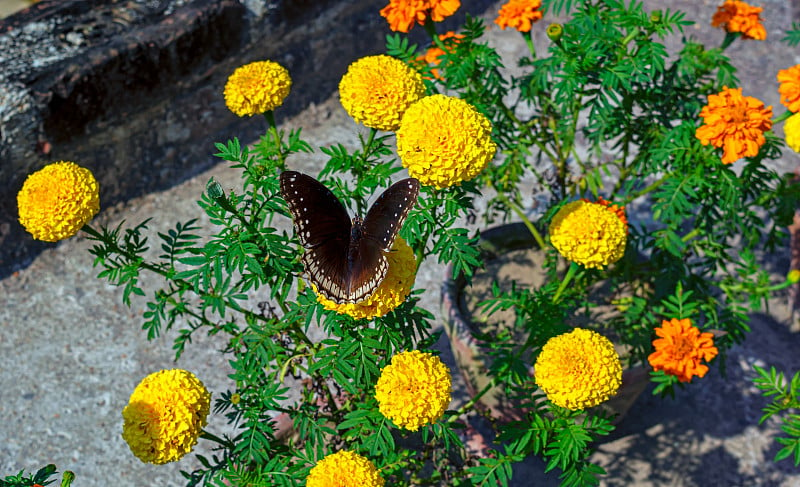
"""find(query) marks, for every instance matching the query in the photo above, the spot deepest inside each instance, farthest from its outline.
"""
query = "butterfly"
(343, 258)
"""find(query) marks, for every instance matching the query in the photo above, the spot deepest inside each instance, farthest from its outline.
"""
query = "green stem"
(729, 38)
(648, 189)
(273, 130)
(529, 42)
(474, 400)
(573, 269)
(113, 247)
(521, 214)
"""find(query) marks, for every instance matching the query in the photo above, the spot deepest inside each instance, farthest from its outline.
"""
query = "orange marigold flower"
(433, 54)
(737, 16)
(519, 14)
(402, 14)
(790, 87)
(681, 348)
(734, 122)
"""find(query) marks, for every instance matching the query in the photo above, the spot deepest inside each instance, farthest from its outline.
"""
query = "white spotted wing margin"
(345, 260)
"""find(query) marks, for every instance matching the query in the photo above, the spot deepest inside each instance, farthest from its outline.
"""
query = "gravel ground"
(72, 353)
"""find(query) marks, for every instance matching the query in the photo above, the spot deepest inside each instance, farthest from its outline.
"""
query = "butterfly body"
(344, 258)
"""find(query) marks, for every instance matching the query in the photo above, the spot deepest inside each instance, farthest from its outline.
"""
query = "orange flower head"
(790, 88)
(681, 349)
(734, 122)
(737, 16)
(433, 53)
(403, 14)
(519, 14)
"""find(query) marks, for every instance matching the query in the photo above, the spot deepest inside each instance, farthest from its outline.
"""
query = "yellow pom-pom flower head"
(392, 292)
(56, 201)
(344, 469)
(165, 416)
(791, 128)
(377, 90)
(578, 370)
(256, 88)
(414, 389)
(591, 234)
(444, 140)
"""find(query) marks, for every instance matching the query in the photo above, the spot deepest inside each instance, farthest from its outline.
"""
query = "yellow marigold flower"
(681, 348)
(344, 469)
(444, 140)
(789, 88)
(57, 200)
(165, 415)
(792, 131)
(432, 55)
(402, 14)
(414, 389)
(257, 88)
(377, 90)
(391, 293)
(519, 14)
(734, 122)
(591, 234)
(793, 276)
(737, 16)
(578, 370)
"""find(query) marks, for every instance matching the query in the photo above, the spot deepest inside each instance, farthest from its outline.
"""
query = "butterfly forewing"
(345, 260)
(389, 211)
(318, 215)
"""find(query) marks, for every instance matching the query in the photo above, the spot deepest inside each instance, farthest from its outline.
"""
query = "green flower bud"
(655, 17)
(554, 32)
(214, 189)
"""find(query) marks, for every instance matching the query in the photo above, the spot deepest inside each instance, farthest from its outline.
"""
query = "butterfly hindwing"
(389, 211)
(345, 259)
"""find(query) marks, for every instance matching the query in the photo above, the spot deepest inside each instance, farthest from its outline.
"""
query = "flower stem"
(521, 214)
(529, 42)
(573, 269)
(273, 130)
(477, 397)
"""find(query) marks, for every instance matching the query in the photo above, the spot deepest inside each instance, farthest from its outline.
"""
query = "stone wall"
(132, 89)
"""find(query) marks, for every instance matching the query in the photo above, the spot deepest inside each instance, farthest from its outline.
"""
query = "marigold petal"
(681, 348)
(257, 88)
(403, 14)
(791, 128)
(392, 292)
(738, 16)
(734, 123)
(344, 469)
(591, 234)
(414, 389)
(579, 369)
(789, 88)
(57, 201)
(444, 140)
(519, 14)
(377, 91)
(165, 415)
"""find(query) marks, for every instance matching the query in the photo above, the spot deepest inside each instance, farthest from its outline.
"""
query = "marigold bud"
(214, 189)
(655, 17)
(554, 32)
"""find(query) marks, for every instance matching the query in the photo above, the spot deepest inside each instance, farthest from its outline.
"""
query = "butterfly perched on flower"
(345, 258)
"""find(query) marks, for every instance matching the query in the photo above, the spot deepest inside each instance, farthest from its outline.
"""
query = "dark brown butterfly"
(344, 258)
